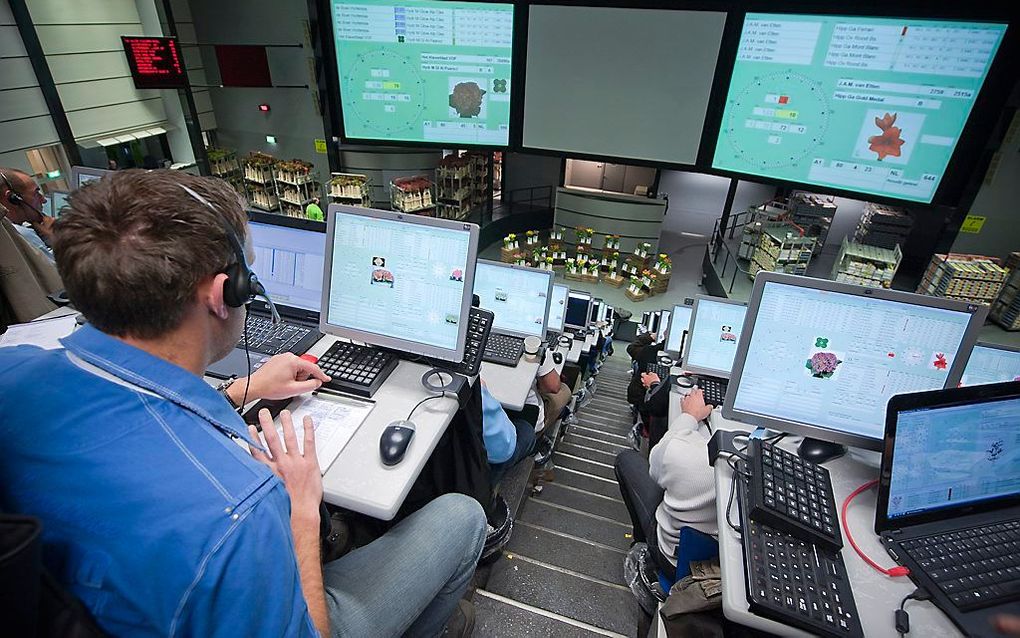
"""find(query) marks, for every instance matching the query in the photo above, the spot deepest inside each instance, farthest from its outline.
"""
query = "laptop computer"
(949, 498)
(519, 297)
(711, 344)
(289, 259)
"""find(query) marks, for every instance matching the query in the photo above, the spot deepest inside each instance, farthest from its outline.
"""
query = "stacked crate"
(883, 226)
(973, 278)
(814, 214)
(864, 265)
(1006, 307)
(781, 248)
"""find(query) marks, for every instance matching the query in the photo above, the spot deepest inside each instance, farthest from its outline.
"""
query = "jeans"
(408, 581)
(642, 496)
(525, 447)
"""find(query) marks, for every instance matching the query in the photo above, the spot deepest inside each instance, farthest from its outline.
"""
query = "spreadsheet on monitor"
(518, 297)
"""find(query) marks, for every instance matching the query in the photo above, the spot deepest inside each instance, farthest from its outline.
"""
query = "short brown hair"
(133, 247)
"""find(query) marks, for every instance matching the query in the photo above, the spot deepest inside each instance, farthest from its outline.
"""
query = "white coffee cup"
(531, 345)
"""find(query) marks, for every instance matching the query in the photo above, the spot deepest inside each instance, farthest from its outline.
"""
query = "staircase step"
(587, 452)
(621, 428)
(500, 617)
(568, 553)
(562, 459)
(583, 599)
(580, 438)
(583, 500)
(587, 526)
(602, 435)
(586, 482)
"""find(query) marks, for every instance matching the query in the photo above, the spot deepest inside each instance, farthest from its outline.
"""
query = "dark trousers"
(525, 447)
(642, 496)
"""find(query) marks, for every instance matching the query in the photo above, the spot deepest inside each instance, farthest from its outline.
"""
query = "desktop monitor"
(81, 175)
(557, 307)
(991, 363)
(821, 359)
(398, 281)
(678, 325)
(596, 310)
(578, 304)
(518, 295)
(662, 325)
(289, 260)
(716, 325)
(56, 201)
(609, 313)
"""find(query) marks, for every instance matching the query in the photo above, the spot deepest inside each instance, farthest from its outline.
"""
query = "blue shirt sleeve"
(498, 431)
(249, 584)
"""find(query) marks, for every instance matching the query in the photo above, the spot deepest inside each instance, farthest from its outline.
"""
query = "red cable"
(899, 570)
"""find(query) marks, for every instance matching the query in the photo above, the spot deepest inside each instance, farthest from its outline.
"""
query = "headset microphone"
(14, 197)
(260, 290)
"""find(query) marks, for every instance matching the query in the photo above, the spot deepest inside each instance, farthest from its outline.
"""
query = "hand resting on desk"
(694, 405)
(282, 377)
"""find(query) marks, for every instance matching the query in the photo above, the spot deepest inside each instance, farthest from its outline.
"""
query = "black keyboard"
(792, 495)
(714, 389)
(479, 325)
(503, 349)
(975, 568)
(794, 582)
(659, 369)
(268, 338)
(354, 369)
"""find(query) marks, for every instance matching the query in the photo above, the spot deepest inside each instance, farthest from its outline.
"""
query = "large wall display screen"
(424, 71)
(871, 105)
(619, 82)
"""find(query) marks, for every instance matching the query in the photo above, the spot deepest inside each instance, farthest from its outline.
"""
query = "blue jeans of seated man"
(408, 582)
(525, 448)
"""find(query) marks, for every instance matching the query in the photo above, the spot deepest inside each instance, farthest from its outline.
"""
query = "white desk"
(574, 354)
(877, 596)
(508, 385)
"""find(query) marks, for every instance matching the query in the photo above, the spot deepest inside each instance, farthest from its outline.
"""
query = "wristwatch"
(222, 389)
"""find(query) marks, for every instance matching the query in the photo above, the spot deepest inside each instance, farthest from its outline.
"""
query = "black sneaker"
(500, 526)
(462, 623)
(543, 450)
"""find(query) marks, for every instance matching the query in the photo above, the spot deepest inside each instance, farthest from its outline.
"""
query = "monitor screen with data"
(578, 307)
(679, 320)
(991, 364)
(289, 263)
(518, 296)
(399, 281)
(712, 339)
(826, 357)
(425, 71)
(870, 105)
(557, 307)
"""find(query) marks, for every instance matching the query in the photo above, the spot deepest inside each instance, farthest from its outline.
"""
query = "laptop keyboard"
(268, 338)
(975, 568)
(503, 349)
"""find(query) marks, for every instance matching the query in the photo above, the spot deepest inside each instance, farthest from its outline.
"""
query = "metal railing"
(718, 247)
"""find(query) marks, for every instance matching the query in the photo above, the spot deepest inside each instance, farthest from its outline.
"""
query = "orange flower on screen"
(889, 142)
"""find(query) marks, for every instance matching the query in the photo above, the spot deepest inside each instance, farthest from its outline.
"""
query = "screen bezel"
(978, 313)
(548, 296)
(723, 374)
(577, 294)
(931, 399)
(385, 341)
(676, 354)
(297, 223)
(594, 310)
(558, 329)
(332, 66)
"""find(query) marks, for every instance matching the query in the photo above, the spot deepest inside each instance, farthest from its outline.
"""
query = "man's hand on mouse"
(694, 405)
(299, 471)
(283, 376)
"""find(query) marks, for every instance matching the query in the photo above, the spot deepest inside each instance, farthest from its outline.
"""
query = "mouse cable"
(901, 615)
(892, 572)
(442, 390)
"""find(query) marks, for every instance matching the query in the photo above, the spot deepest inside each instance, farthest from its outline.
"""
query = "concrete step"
(566, 593)
(583, 500)
(618, 429)
(587, 452)
(590, 527)
(582, 438)
(596, 468)
(568, 552)
(501, 617)
(587, 430)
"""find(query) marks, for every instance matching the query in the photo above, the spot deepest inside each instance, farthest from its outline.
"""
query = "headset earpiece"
(242, 283)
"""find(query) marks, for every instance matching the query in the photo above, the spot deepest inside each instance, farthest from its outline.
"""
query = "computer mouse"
(395, 440)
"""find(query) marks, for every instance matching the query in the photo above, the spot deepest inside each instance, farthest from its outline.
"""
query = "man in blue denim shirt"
(153, 514)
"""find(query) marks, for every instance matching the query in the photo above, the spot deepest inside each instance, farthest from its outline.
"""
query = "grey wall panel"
(207, 121)
(46, 12)
(25, 134)
(85, 38)
(193, 58)
(98, 93)
(107, 119)
(10, 42)
(16, 73)
(6, 17)
(18, 104)
(203, 103)
(526, 171)
(182, 11)
(635, 219)
(185, 32)
(88, 66)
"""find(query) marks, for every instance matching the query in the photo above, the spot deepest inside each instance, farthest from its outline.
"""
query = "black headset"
(242, 285)
(14, 197)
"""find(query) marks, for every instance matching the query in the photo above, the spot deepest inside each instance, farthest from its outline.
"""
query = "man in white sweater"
(677, 483)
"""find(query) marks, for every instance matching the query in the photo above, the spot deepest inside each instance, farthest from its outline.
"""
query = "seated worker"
(643, 351)
(548, 396)
(507, 441)
(29, 274)
(153, 515)
(675, 488)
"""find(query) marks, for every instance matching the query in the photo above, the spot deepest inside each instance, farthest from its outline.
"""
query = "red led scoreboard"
(155, 62)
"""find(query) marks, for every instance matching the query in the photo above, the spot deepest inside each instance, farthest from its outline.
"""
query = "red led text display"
(155, 63)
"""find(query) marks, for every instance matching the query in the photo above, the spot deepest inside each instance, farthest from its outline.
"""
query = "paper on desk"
(44, 333)
(334, 418)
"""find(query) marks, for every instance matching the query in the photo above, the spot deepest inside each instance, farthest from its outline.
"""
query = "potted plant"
(635, 286)
(572, 266)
